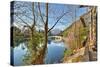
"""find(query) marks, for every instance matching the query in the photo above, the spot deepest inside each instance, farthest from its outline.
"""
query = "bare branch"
(23, 21)
(41, 13)
(57, 21)
(23, 13)
(34, 22)
(28, 17)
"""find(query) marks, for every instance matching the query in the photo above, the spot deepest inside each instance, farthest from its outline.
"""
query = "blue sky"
(55, 11)
(67, 19)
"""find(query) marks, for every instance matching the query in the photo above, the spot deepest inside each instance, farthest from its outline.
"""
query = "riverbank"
(81, 40)
(74, 55)
(86, 52)
(83, 54)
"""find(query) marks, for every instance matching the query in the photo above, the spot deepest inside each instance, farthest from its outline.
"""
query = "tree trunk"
(40, 59)
(46, 32)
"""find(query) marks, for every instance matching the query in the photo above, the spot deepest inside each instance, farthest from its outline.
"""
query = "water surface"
(54, 54)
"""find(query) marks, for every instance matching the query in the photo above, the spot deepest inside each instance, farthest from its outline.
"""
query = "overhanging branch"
(57, 21)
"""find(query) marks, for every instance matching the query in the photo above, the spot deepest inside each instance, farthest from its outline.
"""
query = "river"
(54, 53)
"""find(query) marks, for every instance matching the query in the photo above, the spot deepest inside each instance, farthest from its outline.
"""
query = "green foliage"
(68, 52)
(33, 44)
(36, 39)
(65, 33)
(83, 33)
(17, 36)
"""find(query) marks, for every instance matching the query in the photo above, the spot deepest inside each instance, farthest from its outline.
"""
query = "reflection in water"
(19, 53)
(54, 53)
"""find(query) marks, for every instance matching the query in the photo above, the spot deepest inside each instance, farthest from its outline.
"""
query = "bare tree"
(45, 22)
